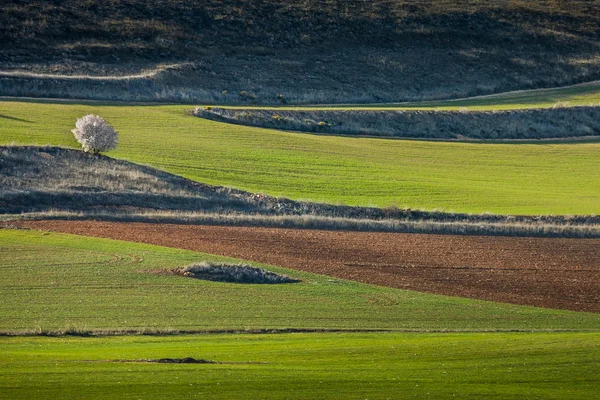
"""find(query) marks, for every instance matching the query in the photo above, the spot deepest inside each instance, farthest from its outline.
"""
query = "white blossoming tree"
(95, 134)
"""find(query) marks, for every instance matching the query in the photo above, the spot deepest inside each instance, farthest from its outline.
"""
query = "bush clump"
(236, 273)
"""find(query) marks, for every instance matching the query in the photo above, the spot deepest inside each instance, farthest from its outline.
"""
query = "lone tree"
(95, 134)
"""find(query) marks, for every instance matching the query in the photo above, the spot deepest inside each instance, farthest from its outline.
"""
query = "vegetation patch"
(435, 223)
(545, 123)
(52, 178)
(184, 360)
(234, 273)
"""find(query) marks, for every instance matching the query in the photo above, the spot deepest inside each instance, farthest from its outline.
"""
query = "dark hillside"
(51, 180)
(306, 50)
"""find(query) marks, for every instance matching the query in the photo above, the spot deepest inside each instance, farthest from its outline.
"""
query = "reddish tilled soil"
(556, 273)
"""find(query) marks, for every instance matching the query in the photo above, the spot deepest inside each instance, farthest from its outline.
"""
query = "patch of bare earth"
(544, 272)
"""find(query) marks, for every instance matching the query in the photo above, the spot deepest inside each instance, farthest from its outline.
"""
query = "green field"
(306, 366)
(510, 178)
(53, 281)
(577, 95)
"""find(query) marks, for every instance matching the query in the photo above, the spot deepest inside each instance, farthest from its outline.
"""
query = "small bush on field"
(95, 134)
(247, 96)
(236, 273)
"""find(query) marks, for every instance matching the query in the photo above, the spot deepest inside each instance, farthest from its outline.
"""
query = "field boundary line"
(310, 222)
(156, 71)
(263, 331)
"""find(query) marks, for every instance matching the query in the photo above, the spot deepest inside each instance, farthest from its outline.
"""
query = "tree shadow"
(15, 119)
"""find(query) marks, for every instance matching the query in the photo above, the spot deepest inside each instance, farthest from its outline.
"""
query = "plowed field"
(556, 273)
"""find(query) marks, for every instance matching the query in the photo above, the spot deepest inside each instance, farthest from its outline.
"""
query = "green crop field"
(302, 366)
(511, 178)
(56, 281)
(53, 281)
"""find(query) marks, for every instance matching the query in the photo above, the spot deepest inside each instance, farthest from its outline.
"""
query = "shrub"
(247, 96)
(95, 134)
(237, 273)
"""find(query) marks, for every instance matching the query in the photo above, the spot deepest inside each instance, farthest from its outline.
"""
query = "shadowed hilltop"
(297, 51)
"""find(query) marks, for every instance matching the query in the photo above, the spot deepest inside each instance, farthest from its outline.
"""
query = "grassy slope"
(341, 366)
(576, 95)
(543, 178)
(57, 281)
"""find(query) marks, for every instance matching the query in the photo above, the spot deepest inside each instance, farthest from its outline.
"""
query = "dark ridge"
(545, 123)
(298, 51)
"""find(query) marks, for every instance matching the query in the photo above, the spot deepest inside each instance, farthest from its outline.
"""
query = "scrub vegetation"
(297, 51)
(549, 123)
(235, 273)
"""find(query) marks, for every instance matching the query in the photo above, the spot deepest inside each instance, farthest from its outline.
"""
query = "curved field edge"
(560, 123)
(582, 94)
(579, 95)
(564, 113)
(544, 178)
(57, 282)
(289, 366)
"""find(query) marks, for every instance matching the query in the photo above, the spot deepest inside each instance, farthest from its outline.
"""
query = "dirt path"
(556, 273)
(141, 75)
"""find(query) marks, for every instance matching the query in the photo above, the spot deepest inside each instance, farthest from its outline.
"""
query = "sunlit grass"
(541, 178)
(301, 366)
(58, 282)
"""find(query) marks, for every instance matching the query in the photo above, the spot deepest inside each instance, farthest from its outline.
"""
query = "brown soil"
(556, 273)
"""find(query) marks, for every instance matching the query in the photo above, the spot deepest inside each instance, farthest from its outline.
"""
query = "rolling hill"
(298, 51)
(556, 178)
